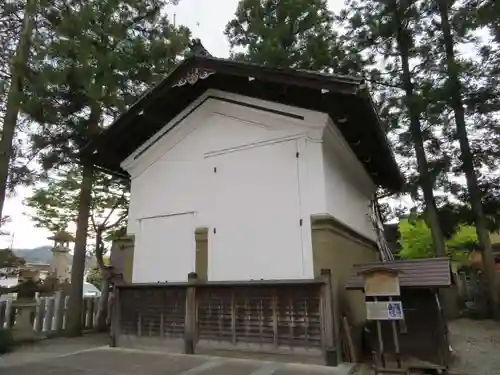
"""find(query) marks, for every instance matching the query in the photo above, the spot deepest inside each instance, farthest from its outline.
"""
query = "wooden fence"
(270, 316)
(50, 315)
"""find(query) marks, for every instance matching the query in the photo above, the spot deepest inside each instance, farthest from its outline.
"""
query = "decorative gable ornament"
(193, 76)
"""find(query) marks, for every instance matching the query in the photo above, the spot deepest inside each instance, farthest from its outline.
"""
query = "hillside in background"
(43, 254)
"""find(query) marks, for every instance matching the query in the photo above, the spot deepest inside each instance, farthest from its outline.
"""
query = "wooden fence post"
(115, 316)
(332, 343)
(190, 318)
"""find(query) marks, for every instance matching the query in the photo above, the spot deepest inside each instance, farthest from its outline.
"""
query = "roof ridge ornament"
(195, 74)
(197, 48)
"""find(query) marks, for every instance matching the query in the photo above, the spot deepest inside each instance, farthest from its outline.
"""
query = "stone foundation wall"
(122, 256)
(338, 248)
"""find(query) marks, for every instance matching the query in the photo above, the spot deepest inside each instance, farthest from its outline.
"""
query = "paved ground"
(88, 356)
(476, 346)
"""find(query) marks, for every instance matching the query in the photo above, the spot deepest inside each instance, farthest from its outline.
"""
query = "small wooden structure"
(381, 285)
(423, 333)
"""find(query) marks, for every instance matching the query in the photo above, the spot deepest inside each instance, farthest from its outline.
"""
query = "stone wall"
(338, 248)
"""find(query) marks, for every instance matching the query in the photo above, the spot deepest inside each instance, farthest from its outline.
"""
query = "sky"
(207, 20)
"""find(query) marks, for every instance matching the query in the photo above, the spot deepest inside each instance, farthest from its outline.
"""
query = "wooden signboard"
(384, 310)
(381, 283)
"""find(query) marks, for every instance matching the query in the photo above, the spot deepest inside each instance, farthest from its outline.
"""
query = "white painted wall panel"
(344, 200)
(257, 213)
(173, 182)
(255, 200)
(165, 249)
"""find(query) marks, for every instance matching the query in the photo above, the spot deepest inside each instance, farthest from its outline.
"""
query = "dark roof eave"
(399, 180)
(341, 84)
(344, 85)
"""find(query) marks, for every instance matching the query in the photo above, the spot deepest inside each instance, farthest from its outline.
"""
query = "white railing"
(50, 315)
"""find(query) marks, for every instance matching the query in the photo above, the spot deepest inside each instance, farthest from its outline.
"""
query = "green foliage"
(416, 240)
(94, 59)
(6, 341)
(94, 277)
(55, 203)
(287, 33)
(12, 14)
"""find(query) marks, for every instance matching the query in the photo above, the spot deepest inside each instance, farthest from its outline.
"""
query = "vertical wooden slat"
(233, 317)
(162, 328)
(40, 314)
(306, 320)
(139, 324)
(275, 318)
(291, 317)
(261, 316)
(190, 317)
(221, 317)
(49, 315)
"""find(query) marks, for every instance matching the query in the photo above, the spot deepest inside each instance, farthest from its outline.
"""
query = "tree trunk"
(14, 97)
(74, 327)
(456, 103)
(404, 42)
(107, 274)
(102, 309)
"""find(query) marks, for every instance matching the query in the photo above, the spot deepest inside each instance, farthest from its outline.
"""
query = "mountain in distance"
(43, 254)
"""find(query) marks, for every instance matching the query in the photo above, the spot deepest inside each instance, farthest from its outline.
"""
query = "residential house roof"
(345, 99)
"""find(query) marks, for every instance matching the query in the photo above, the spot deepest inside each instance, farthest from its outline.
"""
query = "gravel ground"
(476, 346)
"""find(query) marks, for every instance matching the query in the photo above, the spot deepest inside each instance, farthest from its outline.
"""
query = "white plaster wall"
(257, 215)
(165, 249)
(345, 198)
(253, 200)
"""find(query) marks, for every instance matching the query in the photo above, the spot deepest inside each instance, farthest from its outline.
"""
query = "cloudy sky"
(207, 20)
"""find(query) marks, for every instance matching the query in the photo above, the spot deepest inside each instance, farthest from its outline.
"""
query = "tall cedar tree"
(14, 75)
(454, 94)
(283, 33)
(97, 57)
(386, 34)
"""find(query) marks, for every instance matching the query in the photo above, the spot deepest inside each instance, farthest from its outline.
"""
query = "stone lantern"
(25, 305)
(60, 266)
